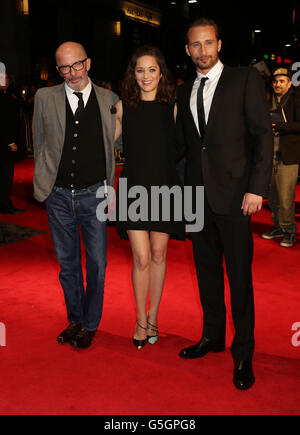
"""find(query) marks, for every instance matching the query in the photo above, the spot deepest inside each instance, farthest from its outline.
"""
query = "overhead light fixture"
(117, 28)
(24, 7)
(257, 31)
(192, 1)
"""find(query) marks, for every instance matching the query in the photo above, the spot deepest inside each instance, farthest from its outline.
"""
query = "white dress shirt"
(208, 92)
(73, 100)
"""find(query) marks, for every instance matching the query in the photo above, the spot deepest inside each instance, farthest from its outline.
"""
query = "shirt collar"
(85, 92)
(213, 73)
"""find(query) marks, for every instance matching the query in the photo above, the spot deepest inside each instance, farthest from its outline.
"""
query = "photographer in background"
(285, 116)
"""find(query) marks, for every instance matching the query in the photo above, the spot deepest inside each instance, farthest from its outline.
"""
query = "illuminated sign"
(277, 59)
(140, 13)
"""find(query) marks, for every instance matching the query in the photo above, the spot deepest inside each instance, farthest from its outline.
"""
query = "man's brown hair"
(203, 21)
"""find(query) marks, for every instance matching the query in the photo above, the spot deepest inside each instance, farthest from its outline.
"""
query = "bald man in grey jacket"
(73, 132)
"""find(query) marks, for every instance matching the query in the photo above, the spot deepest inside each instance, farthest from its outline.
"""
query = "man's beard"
(207, 65)
(76, 86)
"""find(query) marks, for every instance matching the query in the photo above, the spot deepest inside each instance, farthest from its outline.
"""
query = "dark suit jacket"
(289, 141)
(9, 126)
(236, 152)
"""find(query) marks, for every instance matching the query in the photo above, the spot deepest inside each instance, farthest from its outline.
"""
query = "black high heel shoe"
(152, 339)
(139, 343)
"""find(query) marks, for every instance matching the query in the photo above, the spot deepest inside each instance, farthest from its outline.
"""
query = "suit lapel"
(60, 104)
(187, 99)
(215, 105)
(105, 113)
(217, 100)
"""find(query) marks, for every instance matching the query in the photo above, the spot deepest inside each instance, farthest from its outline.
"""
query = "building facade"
(31, 30)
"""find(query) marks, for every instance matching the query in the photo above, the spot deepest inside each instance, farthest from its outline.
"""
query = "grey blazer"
(48, 131)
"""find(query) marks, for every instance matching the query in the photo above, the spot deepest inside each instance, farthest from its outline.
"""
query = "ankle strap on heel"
(154, 327)
(140, 326)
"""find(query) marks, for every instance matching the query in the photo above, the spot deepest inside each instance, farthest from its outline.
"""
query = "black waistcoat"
(83, 158)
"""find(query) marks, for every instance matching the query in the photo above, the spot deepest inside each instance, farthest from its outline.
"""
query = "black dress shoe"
(83, 339)
(243, 377)
(204, 346)
(67, 335)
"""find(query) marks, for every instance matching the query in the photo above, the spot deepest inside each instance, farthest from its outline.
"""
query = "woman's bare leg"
(159, 246)
(141, 252)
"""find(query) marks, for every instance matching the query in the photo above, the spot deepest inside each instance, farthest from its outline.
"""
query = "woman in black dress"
(146, 119)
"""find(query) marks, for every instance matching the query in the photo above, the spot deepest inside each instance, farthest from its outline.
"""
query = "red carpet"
(39, 376)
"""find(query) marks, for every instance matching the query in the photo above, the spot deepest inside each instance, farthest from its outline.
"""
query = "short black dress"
(149, 151)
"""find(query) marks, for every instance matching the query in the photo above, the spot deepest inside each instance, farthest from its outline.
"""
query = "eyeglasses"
(77, 66)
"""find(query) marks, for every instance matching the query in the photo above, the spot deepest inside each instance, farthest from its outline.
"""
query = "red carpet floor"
(39, 376)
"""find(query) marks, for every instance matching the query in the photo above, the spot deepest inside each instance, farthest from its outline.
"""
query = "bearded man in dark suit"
(224, 123)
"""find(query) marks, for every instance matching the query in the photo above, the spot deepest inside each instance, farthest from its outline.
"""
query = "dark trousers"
(6, 183)
(228, 237)
(68, 211)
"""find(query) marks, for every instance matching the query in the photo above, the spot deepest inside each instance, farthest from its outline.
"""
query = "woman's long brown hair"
(131, 93)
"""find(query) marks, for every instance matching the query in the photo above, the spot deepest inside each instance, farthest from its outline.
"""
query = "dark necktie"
(80, 107)
(200, 107)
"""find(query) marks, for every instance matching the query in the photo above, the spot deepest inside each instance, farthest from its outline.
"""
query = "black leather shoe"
(67, 335)
(204, 346)
(83, 339)
(243, 377)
